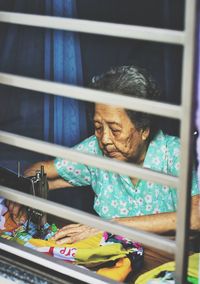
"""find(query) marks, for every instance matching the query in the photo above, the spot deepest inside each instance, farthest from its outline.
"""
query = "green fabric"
(192, 280)
(170, 266)
(115, 195)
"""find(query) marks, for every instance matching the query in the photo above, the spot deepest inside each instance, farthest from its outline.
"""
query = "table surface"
(152, 259)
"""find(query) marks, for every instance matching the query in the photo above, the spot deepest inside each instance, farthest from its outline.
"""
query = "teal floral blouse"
(115, 195)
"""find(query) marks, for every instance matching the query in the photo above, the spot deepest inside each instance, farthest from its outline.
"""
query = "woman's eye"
(115, 131)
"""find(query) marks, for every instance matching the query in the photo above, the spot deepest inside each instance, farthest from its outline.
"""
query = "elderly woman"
(126, 136)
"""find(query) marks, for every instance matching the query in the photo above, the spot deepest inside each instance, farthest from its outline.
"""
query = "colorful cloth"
(115, 195)
(96, 252)
(164, 273)
(3, 210)
(92, 251)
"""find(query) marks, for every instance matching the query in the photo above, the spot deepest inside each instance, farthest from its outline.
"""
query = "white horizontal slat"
(55, 264)
(99, 162)
(65, 90)
(94, 27)
(75, 215)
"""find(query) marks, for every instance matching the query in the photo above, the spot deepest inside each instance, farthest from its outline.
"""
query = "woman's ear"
(145, 134)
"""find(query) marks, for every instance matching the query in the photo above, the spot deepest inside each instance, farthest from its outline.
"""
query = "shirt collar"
(153, 158)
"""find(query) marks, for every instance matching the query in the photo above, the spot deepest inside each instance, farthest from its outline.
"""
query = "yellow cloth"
(119, 271)
(100, 254)
(193, 265)
(89, 252)
(170, 266)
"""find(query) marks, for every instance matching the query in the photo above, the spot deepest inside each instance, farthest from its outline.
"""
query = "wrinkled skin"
(73, 233)
(117, 136)
(118, 139)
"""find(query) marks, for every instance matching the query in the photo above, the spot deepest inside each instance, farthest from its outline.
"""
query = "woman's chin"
(115, 155)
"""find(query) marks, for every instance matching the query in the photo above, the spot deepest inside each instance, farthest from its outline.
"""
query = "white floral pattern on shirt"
(115, 195)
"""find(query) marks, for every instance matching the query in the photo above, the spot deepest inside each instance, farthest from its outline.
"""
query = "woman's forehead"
(107, 109)
(110, 113)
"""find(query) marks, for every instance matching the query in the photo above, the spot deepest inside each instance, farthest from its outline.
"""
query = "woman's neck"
(140, 162)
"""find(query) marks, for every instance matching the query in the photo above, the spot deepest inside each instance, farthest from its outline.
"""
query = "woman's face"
(117, 136)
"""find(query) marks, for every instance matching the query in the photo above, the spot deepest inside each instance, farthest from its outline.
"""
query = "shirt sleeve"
(174, 164)
(75, 173)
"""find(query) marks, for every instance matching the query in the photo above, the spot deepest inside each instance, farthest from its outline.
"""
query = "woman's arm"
(53, 179)
(49, 169)
(164, 222)
(58, 183)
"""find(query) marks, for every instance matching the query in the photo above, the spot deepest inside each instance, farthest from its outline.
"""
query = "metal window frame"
(184, 113)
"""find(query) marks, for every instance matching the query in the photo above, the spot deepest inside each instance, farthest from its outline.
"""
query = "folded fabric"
(192, 280)
(170, 267)
(84, 256)
(9, 224)
(167, 277)
(119, 271)
(87, 252)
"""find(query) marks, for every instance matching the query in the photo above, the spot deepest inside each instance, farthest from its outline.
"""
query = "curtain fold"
(21, 53)
(64, 118)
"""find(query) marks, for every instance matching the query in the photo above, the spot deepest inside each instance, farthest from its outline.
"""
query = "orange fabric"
(119, 271)
(9, 223)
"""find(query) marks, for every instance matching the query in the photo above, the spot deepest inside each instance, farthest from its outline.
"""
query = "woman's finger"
(59, 235)
(69, 231)
(68, 240)
(70, 226)
(16, 209)
(21, 217)
(77, 237)
(73, 239)
(66, 233)
(75, 230)
(11, 207)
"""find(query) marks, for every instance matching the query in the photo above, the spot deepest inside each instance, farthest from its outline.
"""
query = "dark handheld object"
(35, 185)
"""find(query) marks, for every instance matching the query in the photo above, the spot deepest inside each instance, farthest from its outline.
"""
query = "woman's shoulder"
(170, 145)
(89, 145)
(168, 140)
(172, 141)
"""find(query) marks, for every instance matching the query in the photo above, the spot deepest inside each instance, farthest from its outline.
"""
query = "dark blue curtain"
(67, 117)
(41, 53)
(21, 53)
(46, 54)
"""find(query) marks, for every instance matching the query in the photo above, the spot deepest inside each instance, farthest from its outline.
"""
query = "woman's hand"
(17, 212)
(73, 233)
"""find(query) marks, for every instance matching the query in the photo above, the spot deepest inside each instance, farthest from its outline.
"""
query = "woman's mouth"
(110, 154)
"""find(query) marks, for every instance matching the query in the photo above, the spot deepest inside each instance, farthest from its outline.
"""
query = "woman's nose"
(105, 139)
